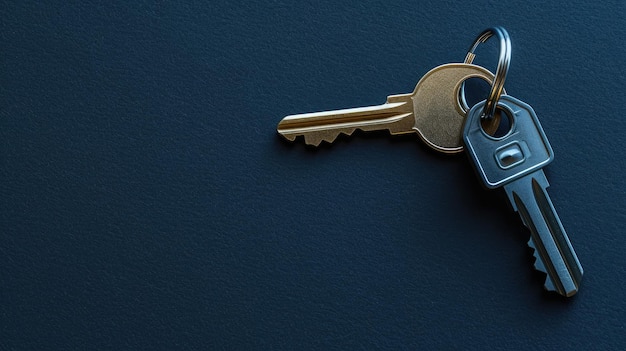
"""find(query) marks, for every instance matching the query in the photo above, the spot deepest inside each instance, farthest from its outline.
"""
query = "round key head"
(438, 109)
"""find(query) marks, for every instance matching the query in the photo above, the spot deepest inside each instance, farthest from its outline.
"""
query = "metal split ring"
(502, 70)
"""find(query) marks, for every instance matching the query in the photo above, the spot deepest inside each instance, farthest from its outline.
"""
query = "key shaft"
(515, 162)
(529, 197)
(433, 111)
(396, 116)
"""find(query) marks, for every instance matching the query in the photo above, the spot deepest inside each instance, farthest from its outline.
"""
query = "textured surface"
(146, 201)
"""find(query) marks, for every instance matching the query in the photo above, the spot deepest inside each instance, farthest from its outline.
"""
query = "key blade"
(396, 117)
(553, 249)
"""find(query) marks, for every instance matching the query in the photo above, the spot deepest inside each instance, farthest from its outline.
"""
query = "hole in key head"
(475, 90)
(498, 127)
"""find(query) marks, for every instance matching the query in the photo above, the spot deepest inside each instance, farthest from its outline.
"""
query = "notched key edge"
(557, 233)
(315, 131)
(538, 263)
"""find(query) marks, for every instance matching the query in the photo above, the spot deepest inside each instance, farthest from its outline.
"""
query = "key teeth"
(549, 285)
(311, 140)
(316, 140)
(289, 137)
(538, 262)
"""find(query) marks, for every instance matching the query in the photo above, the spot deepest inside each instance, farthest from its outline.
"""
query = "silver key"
(515, 161)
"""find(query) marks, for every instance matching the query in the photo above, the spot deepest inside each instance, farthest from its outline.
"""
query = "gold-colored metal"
(433, 111)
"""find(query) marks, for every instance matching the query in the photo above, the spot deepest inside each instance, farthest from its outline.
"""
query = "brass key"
(433, 111)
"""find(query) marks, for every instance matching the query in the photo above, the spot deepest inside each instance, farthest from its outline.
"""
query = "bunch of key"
(437, 112)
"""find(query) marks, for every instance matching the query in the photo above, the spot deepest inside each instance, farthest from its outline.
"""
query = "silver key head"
(520, 151)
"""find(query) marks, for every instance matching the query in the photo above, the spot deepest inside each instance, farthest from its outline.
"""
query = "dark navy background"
(146, 201)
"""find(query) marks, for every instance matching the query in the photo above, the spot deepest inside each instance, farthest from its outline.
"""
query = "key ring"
(502, 70)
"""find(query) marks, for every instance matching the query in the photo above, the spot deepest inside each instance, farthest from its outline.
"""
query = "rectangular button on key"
(509, 155)
(526, 132)
(520, 156)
